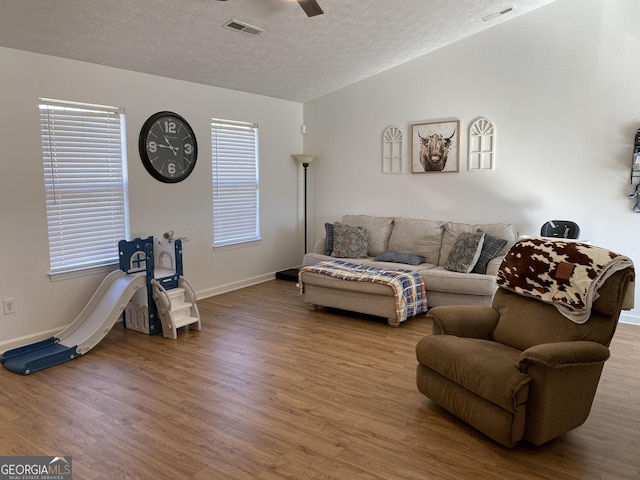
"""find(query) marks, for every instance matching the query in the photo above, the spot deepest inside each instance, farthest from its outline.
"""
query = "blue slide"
(92, 325)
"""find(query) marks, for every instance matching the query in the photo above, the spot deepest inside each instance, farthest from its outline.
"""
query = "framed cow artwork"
(435, 147)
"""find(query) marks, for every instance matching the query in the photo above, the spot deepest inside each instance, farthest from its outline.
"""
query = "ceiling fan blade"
(311, 7)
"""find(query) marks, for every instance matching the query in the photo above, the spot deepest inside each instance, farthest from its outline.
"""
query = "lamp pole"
(305, 160)
(305, 165)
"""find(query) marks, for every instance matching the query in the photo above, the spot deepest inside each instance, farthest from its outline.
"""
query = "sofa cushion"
(452, 230)
(465, 252)
(349, 241)
(379, 229)
(399, 257)
(439, 279)
(312, 258)
(491, 248)
(420, 237)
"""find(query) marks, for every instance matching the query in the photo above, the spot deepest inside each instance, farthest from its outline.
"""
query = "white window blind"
(85, 183)
(235, 182)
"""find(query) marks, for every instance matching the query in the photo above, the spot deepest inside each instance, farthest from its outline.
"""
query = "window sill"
(233, 246)
(103, 269)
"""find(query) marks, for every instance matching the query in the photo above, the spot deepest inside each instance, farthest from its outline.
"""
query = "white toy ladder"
(176, 307)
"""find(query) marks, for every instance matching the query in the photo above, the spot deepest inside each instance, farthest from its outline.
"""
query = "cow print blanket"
(565, 274)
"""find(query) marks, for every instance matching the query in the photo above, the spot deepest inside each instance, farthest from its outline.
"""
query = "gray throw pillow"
(465, 252)
(491, 248)
(349, 242)
(399, 257)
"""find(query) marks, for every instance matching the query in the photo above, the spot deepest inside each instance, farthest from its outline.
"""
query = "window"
(85, 170)
(482, 145)
(235, 182)
(392, 148)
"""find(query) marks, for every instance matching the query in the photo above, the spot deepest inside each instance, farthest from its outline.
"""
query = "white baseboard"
(627, 317)
(28, 339)
(230, 287)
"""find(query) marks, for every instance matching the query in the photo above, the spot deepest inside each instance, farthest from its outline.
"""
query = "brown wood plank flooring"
(269, 390)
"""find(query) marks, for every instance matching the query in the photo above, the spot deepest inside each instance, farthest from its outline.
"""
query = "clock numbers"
(188, 148)
(171, 168)
(153, 146)
(169, 127)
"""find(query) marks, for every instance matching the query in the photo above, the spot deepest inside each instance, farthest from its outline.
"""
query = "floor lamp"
(305, 160)
(292, 273)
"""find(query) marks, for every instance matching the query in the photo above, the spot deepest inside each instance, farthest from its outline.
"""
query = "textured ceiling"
(297, 58)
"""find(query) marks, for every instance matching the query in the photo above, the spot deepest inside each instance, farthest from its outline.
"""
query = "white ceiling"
(297, 58)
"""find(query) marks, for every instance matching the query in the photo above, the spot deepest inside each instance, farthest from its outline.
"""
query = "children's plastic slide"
(86, 331)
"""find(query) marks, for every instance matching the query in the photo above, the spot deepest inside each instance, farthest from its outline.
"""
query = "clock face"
(168, 147)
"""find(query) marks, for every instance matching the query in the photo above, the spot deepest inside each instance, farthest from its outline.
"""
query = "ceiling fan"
(310, 7)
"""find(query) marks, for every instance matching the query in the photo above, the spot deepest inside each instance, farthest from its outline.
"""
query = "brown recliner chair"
(519, 369)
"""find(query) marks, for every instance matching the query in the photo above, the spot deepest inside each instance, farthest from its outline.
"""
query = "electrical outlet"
(9, 306)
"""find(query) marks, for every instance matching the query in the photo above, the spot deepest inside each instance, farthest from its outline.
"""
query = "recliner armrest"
(563, 354)
(471, 321)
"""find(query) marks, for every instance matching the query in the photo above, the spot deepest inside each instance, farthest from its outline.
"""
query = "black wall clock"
(168, 147)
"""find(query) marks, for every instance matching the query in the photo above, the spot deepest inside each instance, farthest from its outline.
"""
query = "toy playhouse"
(168, 303)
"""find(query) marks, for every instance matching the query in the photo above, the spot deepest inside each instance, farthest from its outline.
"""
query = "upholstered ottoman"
(364, 296)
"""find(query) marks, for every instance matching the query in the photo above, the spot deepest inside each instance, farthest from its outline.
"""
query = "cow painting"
(434, 151)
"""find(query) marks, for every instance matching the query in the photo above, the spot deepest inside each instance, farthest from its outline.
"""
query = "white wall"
(43, 307)
(562, 92)
(561, 85)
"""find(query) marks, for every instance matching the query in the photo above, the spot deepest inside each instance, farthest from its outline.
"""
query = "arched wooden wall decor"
(392, 148)
(482, 145)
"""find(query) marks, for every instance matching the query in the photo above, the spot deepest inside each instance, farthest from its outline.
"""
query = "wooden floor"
(269, 390)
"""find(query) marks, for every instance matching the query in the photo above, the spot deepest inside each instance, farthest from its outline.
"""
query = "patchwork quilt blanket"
(564, 274)
(408, 286)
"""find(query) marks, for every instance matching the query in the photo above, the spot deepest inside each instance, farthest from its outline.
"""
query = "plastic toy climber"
(166, 304)
(169, 302)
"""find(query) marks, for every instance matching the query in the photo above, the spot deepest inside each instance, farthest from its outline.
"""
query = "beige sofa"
(432, 240)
